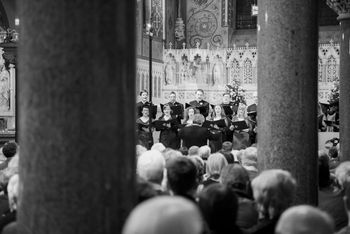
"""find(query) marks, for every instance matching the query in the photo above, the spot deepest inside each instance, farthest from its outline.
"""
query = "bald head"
(164, 214)
(150, 166)
(304, 219)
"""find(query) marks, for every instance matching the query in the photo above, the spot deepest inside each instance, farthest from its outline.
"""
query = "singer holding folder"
(177, 107)
(167, 124)
(218, 124)
(143, 130)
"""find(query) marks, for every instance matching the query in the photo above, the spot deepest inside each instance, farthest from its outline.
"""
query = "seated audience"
(10, 215)
(249, 160)
(330, 197)
(158, 146)
(182, 177)
(214, 165)
(165, 214)
(198, 161)
(193, 150)
(219, 204)
(204, 152)
(226, 150)
(304, 219)
(144, 190)
(9, 150)
(236, 177)
(150, 167)
(342, 174)
(170, 154)
(274, 192)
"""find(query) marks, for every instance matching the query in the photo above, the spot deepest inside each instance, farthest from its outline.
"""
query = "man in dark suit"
(195, 134)
(202, 105)
(173, 103)
(142, 102)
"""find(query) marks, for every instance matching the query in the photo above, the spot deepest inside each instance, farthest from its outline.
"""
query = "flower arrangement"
(334, 95)
(236, 92)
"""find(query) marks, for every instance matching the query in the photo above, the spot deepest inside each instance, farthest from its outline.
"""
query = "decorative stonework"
(185, 70)
(204, 24)
(341, 7)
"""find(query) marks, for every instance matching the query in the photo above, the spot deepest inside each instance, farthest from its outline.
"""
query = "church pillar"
(76, 97)
(342, 8)
(287, 87)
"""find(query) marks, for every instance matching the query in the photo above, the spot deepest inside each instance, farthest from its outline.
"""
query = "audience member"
(342, 174)
(304, 219)
(170, 154)
(330, 198)
(182, 177)
(249, 160)
(215, 163)
(165, 214)
(150, 166)
(193, 150)
(144, 190)
(13, 191)
(9, 150)
(158, 146)
(274, 192)
(236, 177)
(226, 150)
(198, 161)
(204, 152)
(219, 204)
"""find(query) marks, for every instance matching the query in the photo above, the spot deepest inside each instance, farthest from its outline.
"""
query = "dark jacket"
(195, 135)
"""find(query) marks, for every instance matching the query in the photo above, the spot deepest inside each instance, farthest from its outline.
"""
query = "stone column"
(287, 88)
(342, 8)
(76, 108)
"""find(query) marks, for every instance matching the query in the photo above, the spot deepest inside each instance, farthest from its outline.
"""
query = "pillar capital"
(341, 7)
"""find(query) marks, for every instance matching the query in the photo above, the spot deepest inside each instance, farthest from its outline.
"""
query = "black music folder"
(227, 109)
(163, 124)
(210, 124)
(240, 125)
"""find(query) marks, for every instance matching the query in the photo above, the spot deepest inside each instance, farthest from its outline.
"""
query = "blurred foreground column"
(287, 88)
(76, 90)
(342, 8)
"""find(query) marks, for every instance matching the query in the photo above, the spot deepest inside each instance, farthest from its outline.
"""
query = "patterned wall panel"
(204, 18)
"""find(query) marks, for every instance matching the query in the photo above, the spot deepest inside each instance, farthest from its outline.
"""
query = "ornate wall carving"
(204, 24)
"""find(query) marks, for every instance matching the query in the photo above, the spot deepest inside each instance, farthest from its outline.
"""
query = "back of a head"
(140, 150)
(274, 190)
(227, 146)
(198, 119)
(150, 166)
(193, 150)
(164, 214)
(204, 152)
(219, 205)
(304, 219)
(235, 177)
(249, 156)
(342, 173)
(10, 149)
(171, 154)
(182, 175)
(215, 163)
(159, 147)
